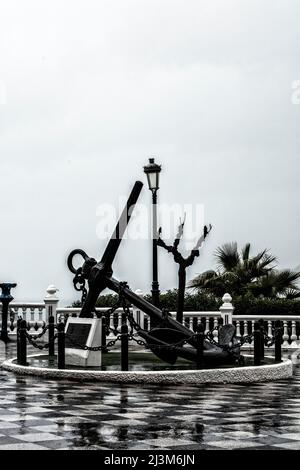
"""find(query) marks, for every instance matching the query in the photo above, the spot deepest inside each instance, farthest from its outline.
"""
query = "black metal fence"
(57, 336)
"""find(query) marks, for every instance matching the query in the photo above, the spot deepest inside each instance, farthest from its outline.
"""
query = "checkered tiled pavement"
(46, 414)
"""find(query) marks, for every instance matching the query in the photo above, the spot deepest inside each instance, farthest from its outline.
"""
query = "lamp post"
(152, 171)
(5, 299)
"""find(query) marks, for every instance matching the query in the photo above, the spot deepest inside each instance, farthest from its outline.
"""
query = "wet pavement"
(41, 414)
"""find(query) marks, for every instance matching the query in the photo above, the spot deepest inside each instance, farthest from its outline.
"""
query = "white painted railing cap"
(139, 292)
(51, 291)
(226, 299)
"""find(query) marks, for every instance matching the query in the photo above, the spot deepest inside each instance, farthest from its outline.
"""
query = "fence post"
(227, 309)
(51, 334)
(257, 344)
(23, 343)
(103, 331)
(61, 346)
(262, 339)
(278, 340)
(18, 340)
(199, 345)
(51, 301)
(5, 299)
(124, 346)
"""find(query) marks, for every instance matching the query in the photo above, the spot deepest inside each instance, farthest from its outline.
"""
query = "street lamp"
(152, 171)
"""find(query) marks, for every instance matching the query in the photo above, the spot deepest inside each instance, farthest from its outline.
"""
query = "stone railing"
(37, 315)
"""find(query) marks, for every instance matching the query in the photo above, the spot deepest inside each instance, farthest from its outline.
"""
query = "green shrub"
(246, 306)
(193, 302)
(206, 302)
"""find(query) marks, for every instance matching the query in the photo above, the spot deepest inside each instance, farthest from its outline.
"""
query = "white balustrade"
(37, 314)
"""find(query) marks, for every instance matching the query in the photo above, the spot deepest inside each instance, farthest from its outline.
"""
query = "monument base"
(81, 332)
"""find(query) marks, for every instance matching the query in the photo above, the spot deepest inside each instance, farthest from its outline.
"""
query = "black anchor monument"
(167, 331)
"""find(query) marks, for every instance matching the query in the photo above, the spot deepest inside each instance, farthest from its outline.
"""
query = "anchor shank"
(99, 273)
(149, 309)
(116, 238)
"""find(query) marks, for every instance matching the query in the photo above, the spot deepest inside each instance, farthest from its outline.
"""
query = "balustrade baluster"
(119, 320)
(216, 331)
(285, 336)
(270, 332)
(40, 310)
(207, 329)
(238, 329)
(111, 322)
(24, 313)
(293, 336)
(246, 329)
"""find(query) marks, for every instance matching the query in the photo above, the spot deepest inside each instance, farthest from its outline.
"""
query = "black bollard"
(61, 346)
(103, 331)
(124, 347)
(200, 345)
(5, 298)
(278, 340)
(262, 339)
(23, 343)
(51, 334)
(257, 344)
(18, 340)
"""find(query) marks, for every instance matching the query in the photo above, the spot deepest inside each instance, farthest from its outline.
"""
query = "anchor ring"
(71, 257)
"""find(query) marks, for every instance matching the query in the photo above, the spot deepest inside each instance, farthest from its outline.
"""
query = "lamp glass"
(153, 181)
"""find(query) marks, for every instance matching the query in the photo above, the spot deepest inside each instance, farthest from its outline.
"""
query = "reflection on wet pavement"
(37, 413)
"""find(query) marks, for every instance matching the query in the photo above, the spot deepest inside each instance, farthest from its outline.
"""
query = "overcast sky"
(91, 89)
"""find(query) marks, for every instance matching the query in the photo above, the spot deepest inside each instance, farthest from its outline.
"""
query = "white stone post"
(51, 302)
(138, 315)
(227, 309)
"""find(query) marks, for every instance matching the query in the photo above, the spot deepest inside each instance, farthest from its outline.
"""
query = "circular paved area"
(41, 414)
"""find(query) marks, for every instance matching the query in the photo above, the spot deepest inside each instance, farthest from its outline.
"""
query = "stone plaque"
(81, 332)
(77, 335)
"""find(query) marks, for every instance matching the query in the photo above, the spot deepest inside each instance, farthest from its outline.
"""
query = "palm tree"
(242, 274)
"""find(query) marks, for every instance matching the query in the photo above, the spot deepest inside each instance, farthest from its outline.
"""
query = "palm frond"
(292, 294)
(246, 252)
(202, 279)
(227, 256)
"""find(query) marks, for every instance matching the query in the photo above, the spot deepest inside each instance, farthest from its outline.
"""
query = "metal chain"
(36, 345)
(40, 334)
(79, 283)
